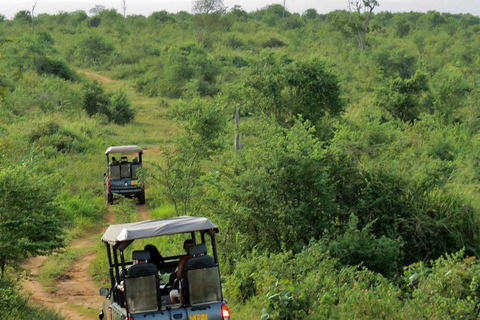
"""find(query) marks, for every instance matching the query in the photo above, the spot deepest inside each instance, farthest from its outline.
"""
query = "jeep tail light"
(143, 185)
(225, 312)
(128, 318)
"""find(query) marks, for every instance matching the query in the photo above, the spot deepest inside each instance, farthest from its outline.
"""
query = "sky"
(146, 7)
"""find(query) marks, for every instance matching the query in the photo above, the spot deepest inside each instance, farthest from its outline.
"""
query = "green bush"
(13, 306)
(115, 106)
(92, 50)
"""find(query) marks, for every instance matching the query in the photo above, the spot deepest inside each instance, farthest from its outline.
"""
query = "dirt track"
(96, 76)
(76, 291)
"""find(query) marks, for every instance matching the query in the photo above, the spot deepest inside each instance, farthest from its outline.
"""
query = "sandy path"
(96, 76)
(77, 288)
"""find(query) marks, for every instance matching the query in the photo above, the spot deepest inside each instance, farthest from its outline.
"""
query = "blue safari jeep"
(122, 173)
(145, 288)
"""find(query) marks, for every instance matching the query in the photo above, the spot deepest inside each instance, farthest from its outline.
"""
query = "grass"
(83, 310)
(56, 267)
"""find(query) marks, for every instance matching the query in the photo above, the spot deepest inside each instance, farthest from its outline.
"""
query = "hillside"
(355, 194)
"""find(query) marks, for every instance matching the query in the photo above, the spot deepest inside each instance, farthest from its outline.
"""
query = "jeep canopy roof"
(127, 232)
(124, 149)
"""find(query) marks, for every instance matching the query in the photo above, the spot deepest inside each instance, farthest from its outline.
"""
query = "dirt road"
(96, 76)
(76, 296)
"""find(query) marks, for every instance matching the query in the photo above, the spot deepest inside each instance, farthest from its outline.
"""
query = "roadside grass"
(99, 267)
(246, 311)
(56, 266)
(163, 211)
(125, 210)
(84, 310)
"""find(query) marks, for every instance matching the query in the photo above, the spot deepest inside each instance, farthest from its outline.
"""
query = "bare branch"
(124, 8)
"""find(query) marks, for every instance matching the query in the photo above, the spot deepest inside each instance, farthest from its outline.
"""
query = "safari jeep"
(121, 176)
(142, 288)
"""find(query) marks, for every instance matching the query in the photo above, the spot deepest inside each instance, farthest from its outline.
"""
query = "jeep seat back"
(204, 285)
(141, 288)
(199, 258)
(115, 172)
(125, 170)
(135, 167)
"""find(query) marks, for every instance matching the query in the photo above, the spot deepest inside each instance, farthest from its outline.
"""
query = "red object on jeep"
(225, 312)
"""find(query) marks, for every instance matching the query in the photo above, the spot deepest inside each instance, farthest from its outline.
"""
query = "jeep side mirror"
(104, 174)
(104, 292)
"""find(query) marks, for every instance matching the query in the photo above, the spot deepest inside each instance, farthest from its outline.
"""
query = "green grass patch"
(84, 310)
(163, 211)
(56, 267)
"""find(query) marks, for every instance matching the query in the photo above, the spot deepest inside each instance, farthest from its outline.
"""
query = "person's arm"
(180, 266)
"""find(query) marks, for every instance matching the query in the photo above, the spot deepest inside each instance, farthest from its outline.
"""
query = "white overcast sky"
(146, 7)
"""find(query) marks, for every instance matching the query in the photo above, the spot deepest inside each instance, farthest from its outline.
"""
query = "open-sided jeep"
(142, 289)
(122, 173)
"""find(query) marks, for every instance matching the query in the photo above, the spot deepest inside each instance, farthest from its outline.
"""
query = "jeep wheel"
(141, 198)
(110, 198)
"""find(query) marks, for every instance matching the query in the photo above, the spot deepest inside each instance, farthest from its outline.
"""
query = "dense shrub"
(92, 50)
(14, 306)
(115, 106)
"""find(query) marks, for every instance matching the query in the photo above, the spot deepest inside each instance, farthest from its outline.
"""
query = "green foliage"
(92, 50)
(274, 192)
(23, 16)
(120, 110)
(356, 247)
(206, 123)
(115, 106)
(36, 53)
(30, 220)
(14, 306)
(302, 88)
(386, 178)
(401, 97)
(46, 94)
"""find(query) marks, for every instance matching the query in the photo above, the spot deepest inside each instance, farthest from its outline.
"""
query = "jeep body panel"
(210, 311)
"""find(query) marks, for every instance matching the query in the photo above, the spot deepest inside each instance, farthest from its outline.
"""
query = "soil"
(96, 76)
(75, 291)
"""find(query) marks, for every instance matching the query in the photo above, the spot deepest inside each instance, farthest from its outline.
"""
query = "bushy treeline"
(356, 181)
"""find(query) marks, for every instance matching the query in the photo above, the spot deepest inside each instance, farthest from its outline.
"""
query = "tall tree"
(208, 6)
(364, 9)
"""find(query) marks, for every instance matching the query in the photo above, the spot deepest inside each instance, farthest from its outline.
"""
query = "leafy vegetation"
(353, 192)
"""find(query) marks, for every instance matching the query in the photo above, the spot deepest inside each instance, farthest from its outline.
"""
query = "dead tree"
(364, 9)
(124, 8)
(238, 138)
(33, 16)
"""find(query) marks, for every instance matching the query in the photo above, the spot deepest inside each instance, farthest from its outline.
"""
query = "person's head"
(187, 244)
(113, 159)
(155, 256)
(139, 262)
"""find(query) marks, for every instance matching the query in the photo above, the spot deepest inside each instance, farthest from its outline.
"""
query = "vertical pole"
(237, 121)
(122, 258)
(193, 237)
(238, 139)
(117, 273)
(110, 270)
(215, 258)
